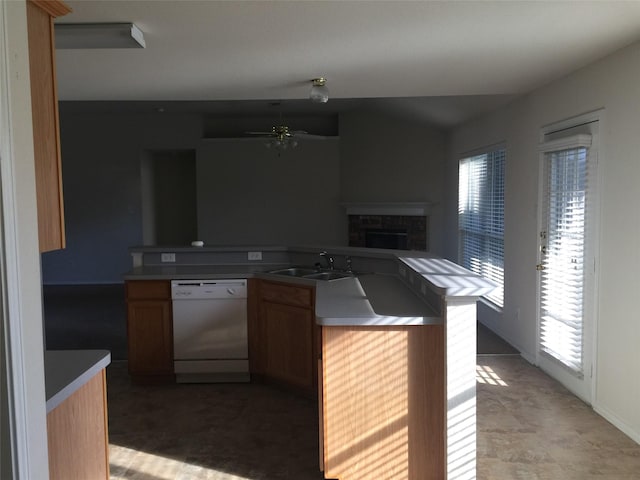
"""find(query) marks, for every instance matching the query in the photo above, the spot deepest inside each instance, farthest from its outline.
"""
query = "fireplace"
(391, 238)
(403, 232)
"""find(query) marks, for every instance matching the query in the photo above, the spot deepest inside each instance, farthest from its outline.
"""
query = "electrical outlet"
(423, 289)
(254, 255)
(167, 257)
(403, 271)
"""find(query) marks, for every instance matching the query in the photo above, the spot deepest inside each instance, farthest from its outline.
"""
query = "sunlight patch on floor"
(127, 463)
(486, 375)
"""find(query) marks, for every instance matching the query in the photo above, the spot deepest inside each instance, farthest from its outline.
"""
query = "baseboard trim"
(529, 358)
(525, 355)
(617, 422)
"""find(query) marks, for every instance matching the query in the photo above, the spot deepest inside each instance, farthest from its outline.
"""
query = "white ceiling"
(265, 50)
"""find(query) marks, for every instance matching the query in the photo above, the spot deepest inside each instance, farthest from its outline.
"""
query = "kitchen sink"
(329, 275)
(295, 271)
(311, 273)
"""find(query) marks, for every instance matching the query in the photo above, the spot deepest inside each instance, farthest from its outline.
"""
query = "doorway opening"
(169, 205)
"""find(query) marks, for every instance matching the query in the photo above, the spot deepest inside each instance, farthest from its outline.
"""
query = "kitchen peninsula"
(392, 348)
(75, 385)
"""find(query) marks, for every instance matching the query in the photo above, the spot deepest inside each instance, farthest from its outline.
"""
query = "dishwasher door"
(210, 331)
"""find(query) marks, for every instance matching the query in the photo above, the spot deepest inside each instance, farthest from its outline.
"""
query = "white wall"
(613, 84)
(386, 158)
(21, 294)
(247, 194)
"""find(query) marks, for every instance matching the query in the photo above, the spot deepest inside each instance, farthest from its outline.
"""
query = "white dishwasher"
(210, 330)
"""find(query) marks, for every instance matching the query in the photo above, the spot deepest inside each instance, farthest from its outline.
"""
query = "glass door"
(566, 263)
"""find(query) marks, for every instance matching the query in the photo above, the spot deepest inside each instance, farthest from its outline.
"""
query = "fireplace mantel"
(388, 208)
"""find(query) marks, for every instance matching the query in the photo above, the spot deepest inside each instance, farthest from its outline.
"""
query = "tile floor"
(209, 432)
(529, 427)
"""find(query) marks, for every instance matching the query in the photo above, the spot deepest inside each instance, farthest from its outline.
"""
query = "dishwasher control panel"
(203, 289)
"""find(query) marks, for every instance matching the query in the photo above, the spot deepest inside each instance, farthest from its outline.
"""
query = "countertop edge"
(68, 370)
(377, 321)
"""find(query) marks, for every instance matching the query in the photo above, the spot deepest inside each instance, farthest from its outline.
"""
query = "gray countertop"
(371, 300)
(404, 293)
(67, 370)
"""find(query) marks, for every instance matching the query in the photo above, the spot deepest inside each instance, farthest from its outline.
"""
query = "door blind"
(563, 256)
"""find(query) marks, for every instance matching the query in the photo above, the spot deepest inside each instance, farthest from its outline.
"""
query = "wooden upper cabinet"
(46, 126)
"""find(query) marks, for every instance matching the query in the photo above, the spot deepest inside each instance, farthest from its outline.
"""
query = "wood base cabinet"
(150, 330)
(383, 403)
(286, 335)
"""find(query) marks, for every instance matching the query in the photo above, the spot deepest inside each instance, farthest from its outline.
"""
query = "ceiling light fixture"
(98, 35)
(319, 92)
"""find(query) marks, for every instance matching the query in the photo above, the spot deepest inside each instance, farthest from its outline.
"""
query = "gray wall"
(247, 194)
(387, 158)
(101, 155)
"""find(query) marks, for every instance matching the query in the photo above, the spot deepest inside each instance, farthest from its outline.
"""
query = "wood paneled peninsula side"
(77, 431)
(390, 352)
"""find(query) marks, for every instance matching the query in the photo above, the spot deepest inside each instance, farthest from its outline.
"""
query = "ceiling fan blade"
(309, 136)
(260, 133)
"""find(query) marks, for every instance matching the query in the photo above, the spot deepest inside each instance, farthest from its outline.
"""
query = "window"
(481, 218)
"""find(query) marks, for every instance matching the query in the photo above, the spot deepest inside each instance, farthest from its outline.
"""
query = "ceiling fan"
(282, 137)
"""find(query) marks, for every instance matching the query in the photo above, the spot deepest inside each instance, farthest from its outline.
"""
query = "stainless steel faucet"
(328, 258)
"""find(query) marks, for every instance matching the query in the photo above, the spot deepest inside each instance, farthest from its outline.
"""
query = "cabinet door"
(150, 337)
(289, 344)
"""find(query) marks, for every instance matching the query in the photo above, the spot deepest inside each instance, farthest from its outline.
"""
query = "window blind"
(481, 218)
(563, 261)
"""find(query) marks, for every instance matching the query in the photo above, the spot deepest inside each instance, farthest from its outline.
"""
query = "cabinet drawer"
(148, 289)
(288, 294)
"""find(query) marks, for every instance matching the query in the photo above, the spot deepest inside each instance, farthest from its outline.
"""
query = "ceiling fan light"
(282, 143)
(319, 92)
